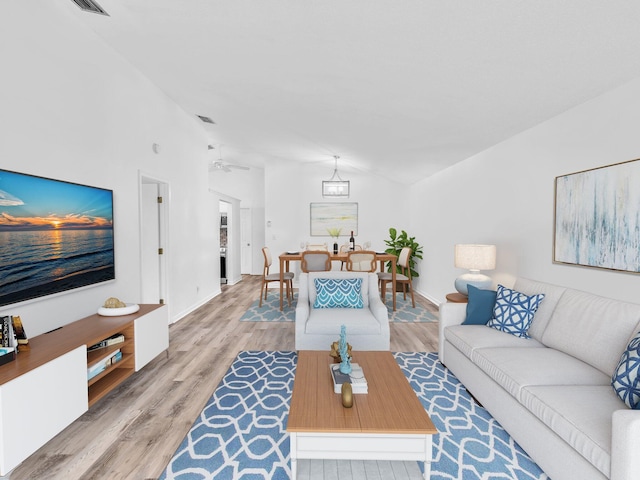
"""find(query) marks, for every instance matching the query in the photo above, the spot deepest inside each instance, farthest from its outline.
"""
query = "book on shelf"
(100, 366)
(19, 332)
(6, 338)
(112, 340)
(356, 378)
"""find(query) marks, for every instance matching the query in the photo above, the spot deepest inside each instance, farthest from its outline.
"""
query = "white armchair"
(317, 328)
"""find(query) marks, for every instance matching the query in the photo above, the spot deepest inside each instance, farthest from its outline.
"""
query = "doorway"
(153, 240)
(224, 207)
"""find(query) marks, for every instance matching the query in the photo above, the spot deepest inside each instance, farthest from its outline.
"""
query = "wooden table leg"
(393, 282)
(281, 280)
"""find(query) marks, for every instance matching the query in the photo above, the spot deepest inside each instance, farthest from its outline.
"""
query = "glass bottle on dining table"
(352, 242)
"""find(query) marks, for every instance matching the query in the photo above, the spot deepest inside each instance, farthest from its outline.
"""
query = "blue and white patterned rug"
(270, 310)
(240, 434)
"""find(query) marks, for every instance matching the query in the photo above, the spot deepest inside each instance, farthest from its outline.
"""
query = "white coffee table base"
(359, 446)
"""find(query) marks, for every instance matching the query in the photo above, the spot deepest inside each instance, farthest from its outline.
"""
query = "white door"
(246, 249)
(150, 240)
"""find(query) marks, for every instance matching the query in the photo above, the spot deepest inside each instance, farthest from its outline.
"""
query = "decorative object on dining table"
(345, 364)
(396, 243)
(335, 234)
(474, 258)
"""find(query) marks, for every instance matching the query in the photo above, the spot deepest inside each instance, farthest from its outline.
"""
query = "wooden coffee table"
(388, 423)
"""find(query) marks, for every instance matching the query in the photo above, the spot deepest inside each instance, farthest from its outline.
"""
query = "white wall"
(291, 187)
(73, 110)
(505, 196)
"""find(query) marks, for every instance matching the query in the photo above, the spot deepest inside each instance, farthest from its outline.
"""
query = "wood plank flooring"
(133, 432)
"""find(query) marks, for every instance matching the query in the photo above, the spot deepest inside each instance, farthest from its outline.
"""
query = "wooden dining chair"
(315, 261)
(403, 277)
(274, 277)
(346, 249)
(361, 261)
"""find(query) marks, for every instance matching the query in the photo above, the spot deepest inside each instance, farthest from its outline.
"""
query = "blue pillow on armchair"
(626, 377)
(338, 293)
(479, 306)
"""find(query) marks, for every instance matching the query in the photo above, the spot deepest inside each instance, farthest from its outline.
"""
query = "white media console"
(46, 388)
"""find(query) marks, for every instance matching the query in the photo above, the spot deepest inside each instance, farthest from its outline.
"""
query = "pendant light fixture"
(335, 187)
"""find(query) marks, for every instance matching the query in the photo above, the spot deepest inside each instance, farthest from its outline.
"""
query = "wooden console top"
(48, 346)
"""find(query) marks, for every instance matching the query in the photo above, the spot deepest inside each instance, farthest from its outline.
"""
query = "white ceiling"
(399, 88)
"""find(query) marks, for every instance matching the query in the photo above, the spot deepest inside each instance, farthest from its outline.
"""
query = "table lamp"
(474, 258)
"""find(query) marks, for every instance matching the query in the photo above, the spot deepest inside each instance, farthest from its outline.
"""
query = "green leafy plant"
(397, 242)
(334, 232)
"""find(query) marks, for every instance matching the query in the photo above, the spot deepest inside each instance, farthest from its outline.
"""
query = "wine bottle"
(352, 242)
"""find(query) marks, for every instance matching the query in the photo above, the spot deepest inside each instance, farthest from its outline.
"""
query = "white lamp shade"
(475, 257)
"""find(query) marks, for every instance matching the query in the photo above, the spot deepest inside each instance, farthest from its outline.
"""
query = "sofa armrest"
(450, 314)
(625, 444)
(378, 309)
(302, 307)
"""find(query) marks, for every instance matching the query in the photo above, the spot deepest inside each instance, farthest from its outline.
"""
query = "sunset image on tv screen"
(54, 236)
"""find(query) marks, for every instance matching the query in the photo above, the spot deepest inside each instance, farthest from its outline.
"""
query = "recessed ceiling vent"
(205, 119)
(90, 6)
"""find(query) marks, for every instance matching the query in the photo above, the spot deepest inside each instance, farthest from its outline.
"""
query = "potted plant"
(334, 233)
(396, 243)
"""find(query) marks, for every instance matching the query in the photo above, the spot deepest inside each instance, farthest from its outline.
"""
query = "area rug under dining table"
(241, 433)
(270, 310)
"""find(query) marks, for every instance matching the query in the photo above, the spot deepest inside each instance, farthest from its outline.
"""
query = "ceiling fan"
(225, 167)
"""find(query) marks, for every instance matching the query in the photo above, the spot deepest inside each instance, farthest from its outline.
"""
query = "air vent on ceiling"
(90, 6)
(206, 119)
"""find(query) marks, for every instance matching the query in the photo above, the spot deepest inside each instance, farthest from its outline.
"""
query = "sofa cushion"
(467, 338)
(626, 377)
(328, 321)
(516, 368)
(580, 415)
(552, 294)
(514, 311)
(594, 329)
(479, 306)
(338, 293)
(339, 275)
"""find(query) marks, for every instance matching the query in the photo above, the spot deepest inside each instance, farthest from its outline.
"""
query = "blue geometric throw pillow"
(513, 311)
(626, 377)
(338, 293)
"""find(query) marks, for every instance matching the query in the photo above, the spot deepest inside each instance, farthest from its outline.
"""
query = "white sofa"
(317, 328)
(553, 392)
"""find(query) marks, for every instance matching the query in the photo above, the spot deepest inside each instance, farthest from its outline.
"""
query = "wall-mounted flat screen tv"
(55, 236)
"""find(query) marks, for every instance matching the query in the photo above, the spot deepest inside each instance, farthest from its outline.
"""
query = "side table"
(457, 298)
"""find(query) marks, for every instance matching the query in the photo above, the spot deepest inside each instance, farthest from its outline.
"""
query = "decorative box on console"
(7, 354)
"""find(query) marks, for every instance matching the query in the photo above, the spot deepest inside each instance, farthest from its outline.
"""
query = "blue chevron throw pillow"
(338, 293)
(626, 377)
(513, 311)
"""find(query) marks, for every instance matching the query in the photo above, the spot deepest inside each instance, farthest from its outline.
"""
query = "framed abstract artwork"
(330, 216)
(597, 218)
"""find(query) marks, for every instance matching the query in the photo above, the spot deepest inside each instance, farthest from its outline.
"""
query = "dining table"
(287, 257)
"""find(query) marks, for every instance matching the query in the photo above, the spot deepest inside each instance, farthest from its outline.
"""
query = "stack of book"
(101, 366)
(12, 333)
(112, 340)
(356, 378)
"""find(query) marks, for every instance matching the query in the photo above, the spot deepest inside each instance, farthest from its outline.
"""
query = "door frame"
(164, 191)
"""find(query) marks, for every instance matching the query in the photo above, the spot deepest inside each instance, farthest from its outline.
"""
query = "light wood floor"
(133, 432)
